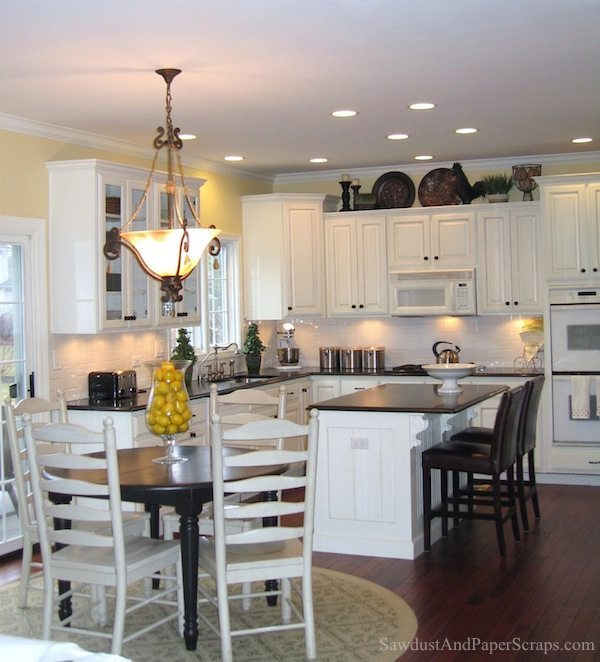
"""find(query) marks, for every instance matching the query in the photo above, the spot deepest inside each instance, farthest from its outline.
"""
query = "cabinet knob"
(515, 303)
(289, 307)
(192, 434)
(182, 314)
(507, 303)
(353, 306)
(595, 269)
(582, 270)
(435, 257)
(426, 257)
(361, 306)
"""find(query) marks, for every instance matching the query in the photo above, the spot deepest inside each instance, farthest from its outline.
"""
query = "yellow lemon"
(177, 419)
(171, 429)
(158, 429)
(184, 427)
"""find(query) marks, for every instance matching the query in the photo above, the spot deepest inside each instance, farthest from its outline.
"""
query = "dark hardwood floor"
(545, 591)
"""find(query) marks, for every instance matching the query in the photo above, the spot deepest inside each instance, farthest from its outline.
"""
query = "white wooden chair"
(270, 552)
(235, 408)
(104, 557)
(44, 411)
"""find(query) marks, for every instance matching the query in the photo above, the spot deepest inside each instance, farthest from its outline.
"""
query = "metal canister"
(329, 358)
(373, 358)
(351, 358)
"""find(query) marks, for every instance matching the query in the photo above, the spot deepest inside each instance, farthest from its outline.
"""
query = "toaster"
(112, 385)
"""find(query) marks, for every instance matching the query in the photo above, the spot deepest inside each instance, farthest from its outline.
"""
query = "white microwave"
(432, 292)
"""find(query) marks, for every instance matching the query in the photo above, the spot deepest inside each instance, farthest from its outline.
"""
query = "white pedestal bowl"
(449, 373)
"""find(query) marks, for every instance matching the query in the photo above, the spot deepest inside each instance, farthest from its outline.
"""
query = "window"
(220, 299)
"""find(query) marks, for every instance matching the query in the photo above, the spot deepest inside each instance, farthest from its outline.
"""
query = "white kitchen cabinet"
(351, 384)
(283, 255)
(90, 293)
(431, 239)
(509, 247)
(571, 217)
(355, 261)
(325, 388)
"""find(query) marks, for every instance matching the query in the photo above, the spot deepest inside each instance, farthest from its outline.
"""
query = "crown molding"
(423, 168)
(95, 141)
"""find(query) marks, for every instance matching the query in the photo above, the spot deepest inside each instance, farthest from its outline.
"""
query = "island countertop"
(402, 398)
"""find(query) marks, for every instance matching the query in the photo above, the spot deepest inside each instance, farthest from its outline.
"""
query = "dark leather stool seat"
(491, 459)
(526, 487)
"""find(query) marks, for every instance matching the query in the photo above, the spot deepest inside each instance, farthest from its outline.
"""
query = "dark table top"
(417, 398)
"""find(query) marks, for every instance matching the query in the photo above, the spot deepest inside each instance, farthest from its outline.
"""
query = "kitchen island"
(369, 495)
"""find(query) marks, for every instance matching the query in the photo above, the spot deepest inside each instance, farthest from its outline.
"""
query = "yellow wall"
(24, 180)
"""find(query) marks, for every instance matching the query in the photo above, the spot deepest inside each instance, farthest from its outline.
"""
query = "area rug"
(356, 620)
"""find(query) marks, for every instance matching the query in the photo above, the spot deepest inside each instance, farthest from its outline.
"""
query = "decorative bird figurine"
(464, 190)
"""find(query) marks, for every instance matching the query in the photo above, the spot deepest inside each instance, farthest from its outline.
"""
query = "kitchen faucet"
(217, 372)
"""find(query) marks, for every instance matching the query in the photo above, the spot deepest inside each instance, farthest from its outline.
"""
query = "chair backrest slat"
(41, 411)
(225, 481)
(63, 473)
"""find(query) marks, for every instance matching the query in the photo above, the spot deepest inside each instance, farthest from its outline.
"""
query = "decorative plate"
(438, 187)
(394, 189)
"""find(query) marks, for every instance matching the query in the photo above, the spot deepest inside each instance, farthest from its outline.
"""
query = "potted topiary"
(497, 187)
(184, 351)
(253, 348)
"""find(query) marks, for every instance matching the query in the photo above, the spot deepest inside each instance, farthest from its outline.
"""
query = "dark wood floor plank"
(546, 589)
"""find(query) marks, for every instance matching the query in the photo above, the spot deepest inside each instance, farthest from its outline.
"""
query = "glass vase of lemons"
(167, 412)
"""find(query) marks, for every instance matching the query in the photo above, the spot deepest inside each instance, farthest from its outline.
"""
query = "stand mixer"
(287, 352)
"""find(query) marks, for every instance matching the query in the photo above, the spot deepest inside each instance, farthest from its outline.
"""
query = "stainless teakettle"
(446, 355)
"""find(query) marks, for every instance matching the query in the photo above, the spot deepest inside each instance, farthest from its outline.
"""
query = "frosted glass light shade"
(159, 250)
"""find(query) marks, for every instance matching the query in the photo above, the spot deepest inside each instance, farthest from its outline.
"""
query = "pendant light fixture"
(168, 255)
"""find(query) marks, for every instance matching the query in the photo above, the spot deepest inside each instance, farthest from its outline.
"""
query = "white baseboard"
(568, 479)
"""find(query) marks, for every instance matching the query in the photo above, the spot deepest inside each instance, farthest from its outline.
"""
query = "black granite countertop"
(405, 398)
(268, 376)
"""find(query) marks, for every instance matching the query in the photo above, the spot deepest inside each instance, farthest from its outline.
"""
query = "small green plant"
(253, 344)
(184, 350)
(495, 184)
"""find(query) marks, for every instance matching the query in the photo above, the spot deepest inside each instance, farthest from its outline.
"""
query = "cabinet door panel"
(493, 275)
(453, 239)
(525, 272)
(408, 241)
(341, 268)
(304, 244)
(565, 220)
(372, 266)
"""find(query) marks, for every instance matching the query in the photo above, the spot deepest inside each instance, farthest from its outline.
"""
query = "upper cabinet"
(355, 261)
(90, 293)
(509, 274)
(283, 254)
(571, 216)
(431, 239)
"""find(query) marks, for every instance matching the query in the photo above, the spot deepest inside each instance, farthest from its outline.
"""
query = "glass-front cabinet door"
(127, 289)
(187, 311)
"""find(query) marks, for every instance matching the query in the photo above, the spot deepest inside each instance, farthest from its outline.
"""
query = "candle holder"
(522, 177)
(345, 196)
(355, 189)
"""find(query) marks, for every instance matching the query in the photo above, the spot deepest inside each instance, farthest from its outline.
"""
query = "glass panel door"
(113, 206)
(139, 304)
(13, 381)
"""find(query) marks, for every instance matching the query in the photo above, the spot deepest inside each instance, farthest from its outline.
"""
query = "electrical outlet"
(136, 362)
(160, 349)
(359, 443)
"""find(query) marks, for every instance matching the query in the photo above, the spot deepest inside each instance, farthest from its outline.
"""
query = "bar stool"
(526, 487)
(491, 459)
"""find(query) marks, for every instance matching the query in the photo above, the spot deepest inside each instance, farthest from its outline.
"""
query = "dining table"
(186, 486)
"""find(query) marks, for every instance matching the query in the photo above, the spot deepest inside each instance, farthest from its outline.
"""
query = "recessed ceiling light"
(187, 136)
(466, 130)
(318, 159)
(397, 136)
(423, 157)
(422, 105)
(578, 141)
(233, 157)
(344, 113)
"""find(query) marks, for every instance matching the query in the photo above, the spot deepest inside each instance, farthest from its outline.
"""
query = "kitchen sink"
(240, 380)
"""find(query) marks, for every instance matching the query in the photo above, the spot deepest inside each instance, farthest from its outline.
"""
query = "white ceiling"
(261, 77)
